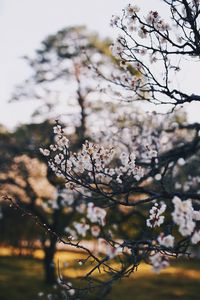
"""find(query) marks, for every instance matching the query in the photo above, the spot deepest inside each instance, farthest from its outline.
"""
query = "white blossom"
(152, 17)
(142, 32)
(62, 141)
(196, 237)
(131, 10)
(58, 158)
(181, 161)
(196, 215)
(96, 214)
(95, 230)
(159, 262)
(45, 152)
(81, 228)
(183, 216)
(53, 147)
(155, 218)
(57, 129)
(158, 177)
(167, 241)
(114, 21)
(118, 47)
(71, 292)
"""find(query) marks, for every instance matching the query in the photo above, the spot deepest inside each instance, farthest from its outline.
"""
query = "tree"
(146, 179)
(34, 188)
(59, 62)
(151, 40)
(59, 71)
(145, 174)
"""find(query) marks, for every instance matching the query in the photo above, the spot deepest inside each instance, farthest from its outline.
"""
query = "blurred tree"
(35, 188)
(60, 67)
(62, 81)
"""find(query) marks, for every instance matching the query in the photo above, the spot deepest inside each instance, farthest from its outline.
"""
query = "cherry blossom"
(135, 163)
(183, 216)
(195, 237)
(96, 214)
(81, 228)
(45, 152)
(159, 262)
(155, 218)
(166, 240)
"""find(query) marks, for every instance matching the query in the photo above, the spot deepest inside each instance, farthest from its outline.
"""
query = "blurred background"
(44, 76)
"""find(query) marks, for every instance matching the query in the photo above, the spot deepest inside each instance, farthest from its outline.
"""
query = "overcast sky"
(24, 23)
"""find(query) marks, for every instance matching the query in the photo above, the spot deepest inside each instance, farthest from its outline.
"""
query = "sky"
(25, 23)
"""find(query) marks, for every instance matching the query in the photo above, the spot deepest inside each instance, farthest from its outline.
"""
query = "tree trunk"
(49, 266)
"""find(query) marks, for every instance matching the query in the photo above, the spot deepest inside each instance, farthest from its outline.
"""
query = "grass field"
(21, 279)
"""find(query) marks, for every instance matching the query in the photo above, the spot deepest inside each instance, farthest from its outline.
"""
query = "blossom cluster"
(96, 214)
(156, 218)
(110, 250)
(95, 221)
(185, 217)
(192, 182)
(105, 170)
(166, 240)
(159, 261)
(141, 43)
(133, 23)
(93, 163)
(155, 20)
(118, 47)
